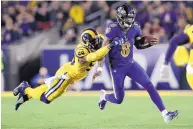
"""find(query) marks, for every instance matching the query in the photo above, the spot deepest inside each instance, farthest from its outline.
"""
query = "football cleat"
(170, 116)
(20, 100)
(102, 102)
(20, 89)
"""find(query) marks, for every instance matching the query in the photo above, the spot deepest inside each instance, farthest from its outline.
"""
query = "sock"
(164, 112)
(36, 92)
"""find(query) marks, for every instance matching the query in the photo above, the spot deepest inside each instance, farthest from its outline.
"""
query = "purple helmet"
(125, 16)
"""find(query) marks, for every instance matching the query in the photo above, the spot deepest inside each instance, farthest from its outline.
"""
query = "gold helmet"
(91, 39)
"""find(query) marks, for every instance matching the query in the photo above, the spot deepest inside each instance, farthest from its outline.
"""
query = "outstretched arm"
(99, 54)
(101, 62)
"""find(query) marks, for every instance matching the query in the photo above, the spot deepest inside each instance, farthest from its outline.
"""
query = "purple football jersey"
(120, 56)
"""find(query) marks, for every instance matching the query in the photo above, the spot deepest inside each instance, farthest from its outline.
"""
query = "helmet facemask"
(95, 44)
(92, 44)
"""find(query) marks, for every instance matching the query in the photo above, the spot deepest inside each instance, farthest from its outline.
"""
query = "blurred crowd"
(22, 19)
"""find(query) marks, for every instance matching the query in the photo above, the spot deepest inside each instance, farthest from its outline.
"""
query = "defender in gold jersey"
(88, 51)
(181, 39)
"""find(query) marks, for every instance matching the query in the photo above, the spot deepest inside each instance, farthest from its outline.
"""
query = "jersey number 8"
(125, 49)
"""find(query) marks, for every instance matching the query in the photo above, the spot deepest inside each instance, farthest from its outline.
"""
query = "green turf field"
(82, 112)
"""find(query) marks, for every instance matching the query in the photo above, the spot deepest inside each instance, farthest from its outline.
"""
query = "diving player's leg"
(19, 90)
(53, 88)
(25, 89)
(36, 92)
(144, 80)
(26, 92)
(118, 77)
(56, 90)
(45, 94)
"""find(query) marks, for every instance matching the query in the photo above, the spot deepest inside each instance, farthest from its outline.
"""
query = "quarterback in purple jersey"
(122, 63)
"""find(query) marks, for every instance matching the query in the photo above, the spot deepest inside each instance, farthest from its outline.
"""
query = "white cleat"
(102, 102)
(170, 116)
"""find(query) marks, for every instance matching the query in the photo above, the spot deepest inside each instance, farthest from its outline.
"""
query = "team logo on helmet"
(90, 39)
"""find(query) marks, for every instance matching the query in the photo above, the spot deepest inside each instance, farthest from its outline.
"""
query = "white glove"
(164, 71)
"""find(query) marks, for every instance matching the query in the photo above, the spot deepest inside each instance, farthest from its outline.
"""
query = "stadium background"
(41, 36)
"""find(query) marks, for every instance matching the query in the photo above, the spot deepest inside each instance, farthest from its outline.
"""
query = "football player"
(122, 63)
(87, 52)
(180, 39)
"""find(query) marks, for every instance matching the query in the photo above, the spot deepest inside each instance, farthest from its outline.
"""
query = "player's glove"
(117, 41)
(164, 71)
(97, 73)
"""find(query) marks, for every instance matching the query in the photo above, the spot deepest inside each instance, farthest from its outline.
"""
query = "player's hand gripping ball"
(151, 39)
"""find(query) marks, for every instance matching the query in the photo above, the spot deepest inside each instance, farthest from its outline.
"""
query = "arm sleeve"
(94, 56)
(180, 39)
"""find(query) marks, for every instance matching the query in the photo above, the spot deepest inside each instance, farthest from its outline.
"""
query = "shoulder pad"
(110, 26)
(81, 51)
